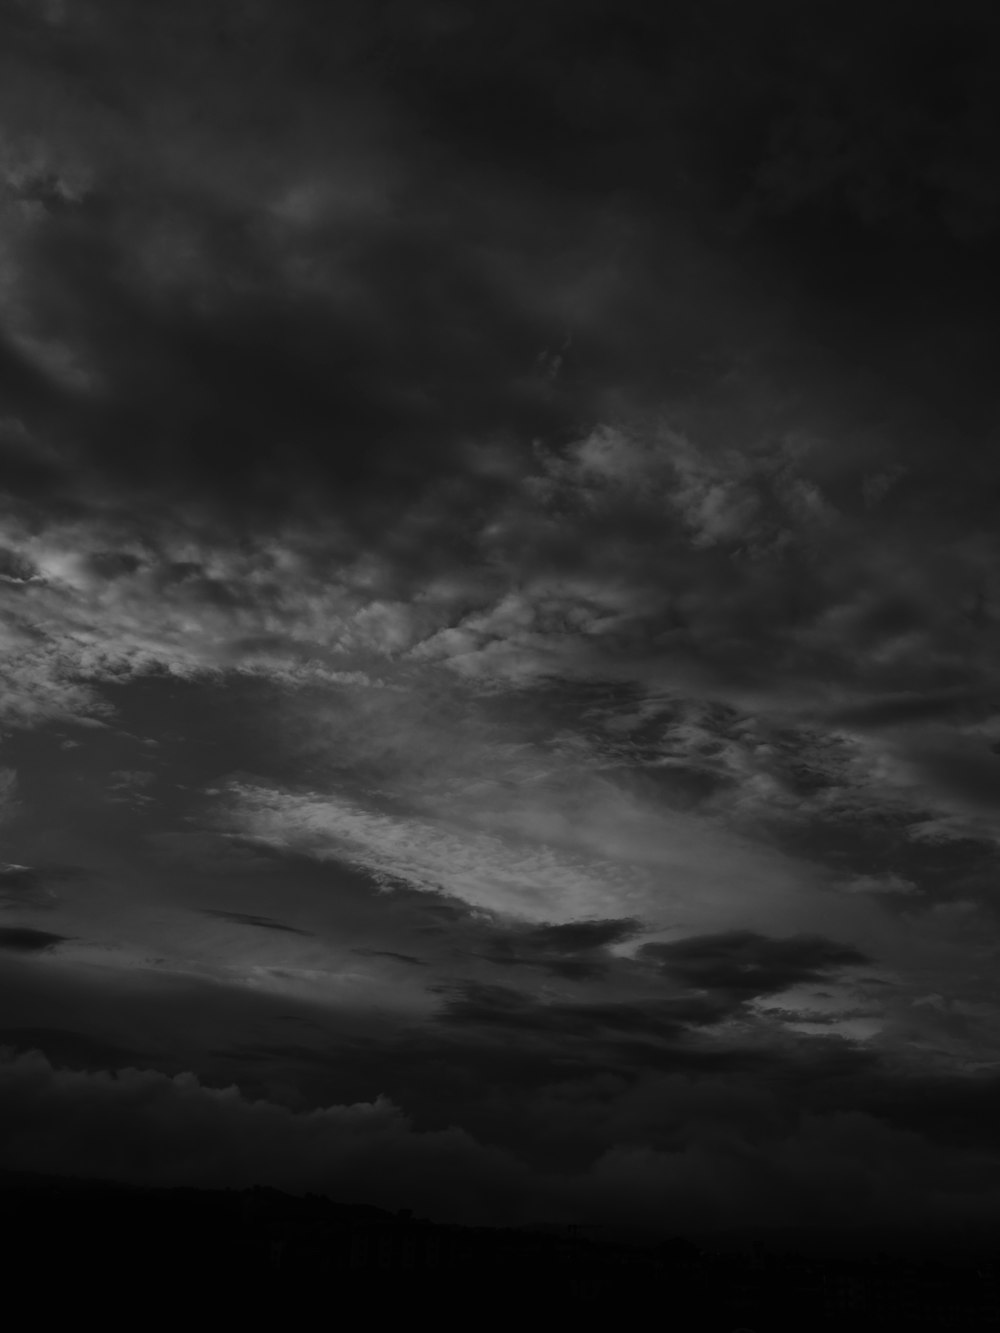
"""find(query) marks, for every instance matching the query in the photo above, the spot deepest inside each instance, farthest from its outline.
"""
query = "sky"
(499, 603)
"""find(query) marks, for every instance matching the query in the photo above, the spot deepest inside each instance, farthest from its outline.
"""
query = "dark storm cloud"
(953, 1111)
(533, 340)
(728, 1155)
(249, 919)
(25, 939)
(262, 392)
(214, 396)
(366, 390)
(366, 1152)
(743, 963)
(601, 1093)
(464, 236)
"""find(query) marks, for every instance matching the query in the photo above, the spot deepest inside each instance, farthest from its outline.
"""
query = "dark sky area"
(500, 604)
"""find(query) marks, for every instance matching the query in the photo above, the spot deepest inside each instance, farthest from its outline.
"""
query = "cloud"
(745, 964)
(575, 950)
(26, 939)
(481, 1005)
(558, 504)
(881, 884)
(130, 786)
(726, 1168)
(366, 1152)
(249, 919)
(567, 851)
(487, 871)
(583, 587)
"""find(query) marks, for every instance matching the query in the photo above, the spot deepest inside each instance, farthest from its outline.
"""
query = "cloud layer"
(833, 1169)
(498, 564)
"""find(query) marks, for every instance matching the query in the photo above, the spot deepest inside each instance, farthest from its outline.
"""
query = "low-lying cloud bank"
(142, 1126)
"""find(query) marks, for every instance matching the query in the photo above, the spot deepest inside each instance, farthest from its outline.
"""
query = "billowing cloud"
(827, 1168)
(367, 1150)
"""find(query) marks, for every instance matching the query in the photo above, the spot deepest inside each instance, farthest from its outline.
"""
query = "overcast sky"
(499, 603)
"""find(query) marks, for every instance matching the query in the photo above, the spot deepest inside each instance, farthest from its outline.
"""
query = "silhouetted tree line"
(245, 1250)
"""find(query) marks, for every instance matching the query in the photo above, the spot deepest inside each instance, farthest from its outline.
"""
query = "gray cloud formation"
(817, 1169)
(577, 422)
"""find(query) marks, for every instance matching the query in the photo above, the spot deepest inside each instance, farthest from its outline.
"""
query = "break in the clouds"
(498, 591)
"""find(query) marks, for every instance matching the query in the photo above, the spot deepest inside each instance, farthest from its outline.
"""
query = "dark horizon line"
(889, 1240)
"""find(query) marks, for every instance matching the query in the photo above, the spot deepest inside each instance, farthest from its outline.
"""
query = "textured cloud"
(537, 860)
(181, 604)
(530, 471)
(721, 538)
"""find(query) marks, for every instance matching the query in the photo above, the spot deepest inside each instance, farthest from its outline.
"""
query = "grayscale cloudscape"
(500, 605)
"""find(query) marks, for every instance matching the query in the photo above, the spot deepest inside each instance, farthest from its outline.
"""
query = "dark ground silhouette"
(257, 1253)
